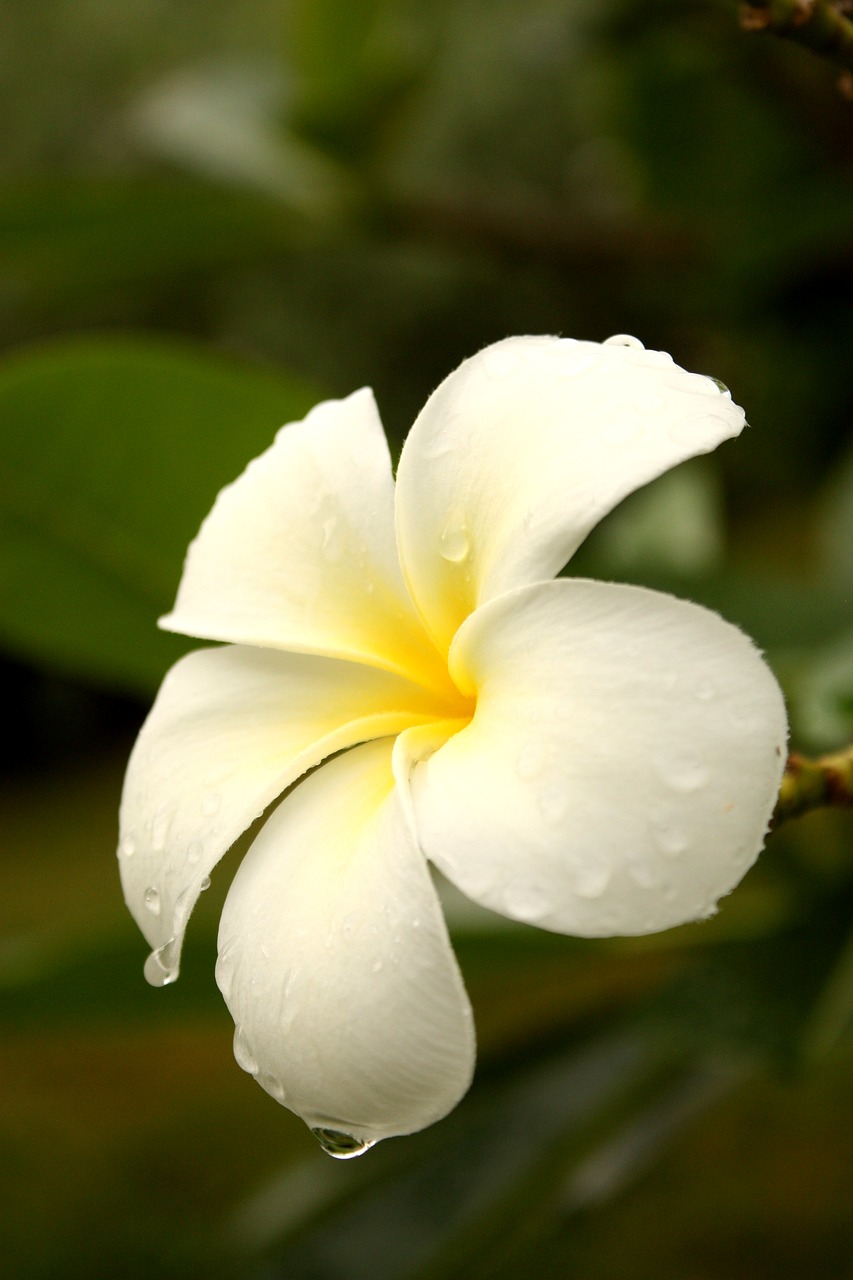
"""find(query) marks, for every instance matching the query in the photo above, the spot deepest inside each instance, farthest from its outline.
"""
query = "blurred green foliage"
(210, 216)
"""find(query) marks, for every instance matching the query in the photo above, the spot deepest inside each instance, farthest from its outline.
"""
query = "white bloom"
(596, 759)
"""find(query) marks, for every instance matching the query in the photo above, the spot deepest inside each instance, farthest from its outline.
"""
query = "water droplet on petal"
(685, 774)
(195, 851)
(211, 802)
(531, 761)
(152, 900)
(455, 542)
(721, 386)
(553, 804)
(525, 901)
(128, 846)
(160, 830)
(644, 873)
(224, 974)
(502, 360)
(331, 543)
(589, 880)
(574, 358)
(648, 402)
(621, 432)
(161, 967)
(205, 884)
(671, 839)
(623, 340)
(243, 1054)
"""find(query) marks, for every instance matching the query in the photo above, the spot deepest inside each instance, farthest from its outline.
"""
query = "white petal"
(335, 960)
(230, 729)
(299, 553)
(523, 449)
(621, 766)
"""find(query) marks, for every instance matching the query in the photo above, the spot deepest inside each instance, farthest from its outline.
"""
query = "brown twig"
(814, 784)
(820, 25)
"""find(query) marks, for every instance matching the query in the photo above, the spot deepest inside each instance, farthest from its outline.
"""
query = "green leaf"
(111, 453)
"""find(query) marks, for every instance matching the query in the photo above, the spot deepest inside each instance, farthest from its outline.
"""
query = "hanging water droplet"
(128, 846)
(161, 967)
(721, 386)
(204, 884)
(455, 542)
(243, 1054)
(589, 880)
(340, 1145)
(152, 900)
(623, 340)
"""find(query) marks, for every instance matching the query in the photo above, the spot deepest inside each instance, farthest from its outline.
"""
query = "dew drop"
(152, 900)
(161, 967)
(623, 340)
(205, 884)
(621, 432)
(331, 546)
(224, 975)
(128, 846)
(340, 1145)
(455, 542)
(524, 901)
(273, 1086)
(649, 402)
(575, 358)
(645, 874)
(685, 774)
(530, 762)
(553, 805)
(195, 851)
(242, 1052)
(160, 830)
(671, 840)
(211, 802)
(590, 880)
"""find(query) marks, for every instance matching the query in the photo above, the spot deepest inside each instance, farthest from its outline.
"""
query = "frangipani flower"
(592, 758)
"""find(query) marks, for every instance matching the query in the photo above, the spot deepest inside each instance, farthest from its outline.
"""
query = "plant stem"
(820, 25)
(813, 784)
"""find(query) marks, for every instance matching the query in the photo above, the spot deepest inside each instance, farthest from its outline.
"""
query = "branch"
(820, 25)
(814, 784)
